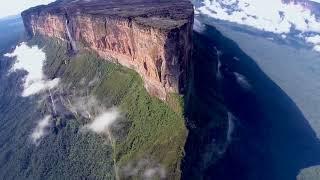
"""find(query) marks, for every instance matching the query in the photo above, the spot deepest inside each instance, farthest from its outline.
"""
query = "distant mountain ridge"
(10, 17)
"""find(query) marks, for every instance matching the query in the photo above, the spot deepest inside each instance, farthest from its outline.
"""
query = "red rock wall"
(159, 55)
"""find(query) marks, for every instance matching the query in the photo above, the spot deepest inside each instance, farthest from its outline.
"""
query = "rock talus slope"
(152, 37)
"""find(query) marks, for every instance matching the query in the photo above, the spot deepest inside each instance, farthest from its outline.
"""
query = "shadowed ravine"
(272, 139)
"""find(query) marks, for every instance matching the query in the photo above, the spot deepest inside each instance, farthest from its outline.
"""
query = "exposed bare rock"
(153, 37)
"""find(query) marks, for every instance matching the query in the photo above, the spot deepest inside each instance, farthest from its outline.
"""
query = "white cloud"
(317, 48)
(313, 39)
(100, 117)
(271, 16)
(40, 130)
(242, 80)
(84, 106)
(151, 173)
(198, 26)
(14, 7)
(317, 1)
(31, 59)
(143, 169)
(102, 122)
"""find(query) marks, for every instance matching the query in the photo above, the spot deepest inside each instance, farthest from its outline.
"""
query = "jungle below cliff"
(147, 140)
(192, 136)
(149, 134)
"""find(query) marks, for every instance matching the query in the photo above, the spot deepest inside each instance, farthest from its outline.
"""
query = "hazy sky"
(14, 7)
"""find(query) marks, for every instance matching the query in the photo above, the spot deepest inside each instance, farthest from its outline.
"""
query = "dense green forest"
(147, 140)
(64, 153)
(151, 129)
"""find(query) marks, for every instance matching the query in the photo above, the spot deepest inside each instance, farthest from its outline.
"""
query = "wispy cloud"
(103, 121)
(40, 130)
(31, 59)
(89, 107)
(242, 80)
(144, 169)
(198, 26)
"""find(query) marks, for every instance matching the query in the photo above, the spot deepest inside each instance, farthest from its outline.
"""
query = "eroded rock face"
(152, 37)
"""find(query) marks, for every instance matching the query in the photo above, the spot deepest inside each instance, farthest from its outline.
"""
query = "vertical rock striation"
(152, 37)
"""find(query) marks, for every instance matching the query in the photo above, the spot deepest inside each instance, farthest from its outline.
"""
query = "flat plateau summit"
(153, 37)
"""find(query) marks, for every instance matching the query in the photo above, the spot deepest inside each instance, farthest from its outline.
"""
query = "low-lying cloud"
(145, 168)
(314, 40)
(103, 121)
(274, 16)
(41, 130)
(85, 106)
(242, 81)
(198, 26)
(90, 108)
(31, 59)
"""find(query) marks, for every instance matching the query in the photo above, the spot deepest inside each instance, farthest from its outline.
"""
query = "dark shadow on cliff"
(272, 138)
(205, 112)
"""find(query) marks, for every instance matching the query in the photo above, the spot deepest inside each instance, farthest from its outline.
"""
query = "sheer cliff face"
(152, 37)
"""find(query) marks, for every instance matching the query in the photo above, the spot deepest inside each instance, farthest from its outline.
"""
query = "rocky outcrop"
(150, 36)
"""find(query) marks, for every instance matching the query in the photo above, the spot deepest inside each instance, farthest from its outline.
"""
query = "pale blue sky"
(14, 7)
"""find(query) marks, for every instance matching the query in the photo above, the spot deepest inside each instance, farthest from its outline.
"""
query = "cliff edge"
(152, 37)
